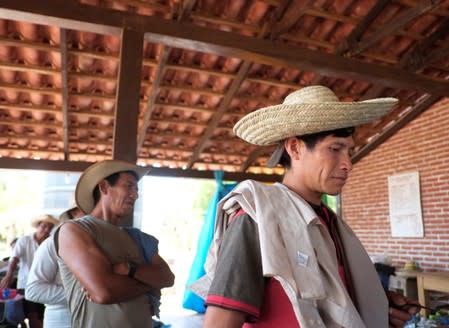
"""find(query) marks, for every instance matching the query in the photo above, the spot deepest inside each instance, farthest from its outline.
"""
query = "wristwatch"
(132, 267)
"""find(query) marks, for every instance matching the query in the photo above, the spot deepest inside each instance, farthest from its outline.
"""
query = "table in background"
(435, 281)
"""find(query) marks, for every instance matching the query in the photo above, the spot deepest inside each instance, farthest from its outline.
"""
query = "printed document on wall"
(405, 205)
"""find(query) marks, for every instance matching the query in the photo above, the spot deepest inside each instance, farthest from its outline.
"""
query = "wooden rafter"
(235, 85)
(152, 98)
(356, 34)
(65, 93)
(193, 37)
(128, 95)
(251, 158)
(70, 166)
(396, 126)
(414, 59)
(165, 53)
(291, 15)
(394, 25)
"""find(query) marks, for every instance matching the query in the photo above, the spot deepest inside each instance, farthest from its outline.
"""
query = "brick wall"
(423, 146)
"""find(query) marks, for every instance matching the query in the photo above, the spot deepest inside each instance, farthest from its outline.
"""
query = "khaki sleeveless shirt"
(118, 247)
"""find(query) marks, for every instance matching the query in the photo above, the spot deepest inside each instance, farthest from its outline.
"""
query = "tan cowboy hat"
(84, 192)
(67, 214)
(44, 218)
(308, 110)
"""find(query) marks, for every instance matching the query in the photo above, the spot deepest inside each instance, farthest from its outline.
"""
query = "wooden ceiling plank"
(224, 104)
(225, 22)
(29, 68)
(10, 42)
(24, 88)
(310, 41)
(204, 91)
(34, 108)
(15, 122)
(395, 127)
(185, 108)
(435, 56)
(200, 70)
(413, 60)
(277, 54)
(64, 92)
(189, 36)
(442, 12)
(165, 52)
(69, 14)
(128, 96)
(394, 25)
(72, 166)
(291, 15)
(147, 4)
(361, 27)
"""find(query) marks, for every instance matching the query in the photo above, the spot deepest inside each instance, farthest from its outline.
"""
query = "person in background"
(22, 255)
(280, 257)
(5, 261)
(88, 249)
(44, 283)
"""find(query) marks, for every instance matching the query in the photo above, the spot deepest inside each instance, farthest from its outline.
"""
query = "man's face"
(122, 195)
(325, 168)
(43, 229)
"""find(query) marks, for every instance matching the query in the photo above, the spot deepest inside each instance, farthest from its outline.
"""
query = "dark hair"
(312, 139)
(112, 180)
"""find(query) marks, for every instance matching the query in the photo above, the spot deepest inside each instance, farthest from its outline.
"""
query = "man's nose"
(347, 163)
(134, 194)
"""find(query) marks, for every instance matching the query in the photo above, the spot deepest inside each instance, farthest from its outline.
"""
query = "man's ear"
(103, 186)
(294, 147)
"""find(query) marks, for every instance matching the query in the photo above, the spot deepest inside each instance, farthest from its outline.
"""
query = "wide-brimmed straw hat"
(43, 218)
(84, 192)
(308, 110)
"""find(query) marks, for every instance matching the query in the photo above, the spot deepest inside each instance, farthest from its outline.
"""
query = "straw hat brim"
(44, 218)
(84, 192)
(272, 124)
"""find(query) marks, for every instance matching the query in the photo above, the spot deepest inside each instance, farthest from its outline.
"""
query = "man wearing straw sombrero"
(280, 257)
(102, 267)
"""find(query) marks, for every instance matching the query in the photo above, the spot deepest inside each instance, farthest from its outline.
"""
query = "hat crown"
(311, 95)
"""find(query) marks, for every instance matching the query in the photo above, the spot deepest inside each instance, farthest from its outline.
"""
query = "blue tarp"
(192, 301)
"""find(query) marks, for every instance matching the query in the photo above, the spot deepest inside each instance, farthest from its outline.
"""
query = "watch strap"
(132, 268)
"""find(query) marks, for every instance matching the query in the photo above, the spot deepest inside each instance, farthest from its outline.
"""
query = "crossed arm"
(95, 272)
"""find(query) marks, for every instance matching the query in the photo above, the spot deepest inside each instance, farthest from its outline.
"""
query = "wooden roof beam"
(361, 27)
(290, 16)
(222, 108)
(71, 166)
(64, 92)
(128, 97)
(193, 37)
(394, 25)
(414, 59)
(152, 98)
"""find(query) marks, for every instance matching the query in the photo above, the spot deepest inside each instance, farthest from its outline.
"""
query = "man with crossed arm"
(91, 248)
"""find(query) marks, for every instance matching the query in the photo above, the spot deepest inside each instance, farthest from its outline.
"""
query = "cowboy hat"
(84, 192)
(43, 218)
(67, 214)
(308, 110)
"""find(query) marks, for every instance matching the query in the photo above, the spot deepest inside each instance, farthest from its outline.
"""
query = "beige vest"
(298, 251)
(118, 247)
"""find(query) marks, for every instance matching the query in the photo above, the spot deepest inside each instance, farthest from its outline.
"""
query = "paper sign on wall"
(405, 205)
